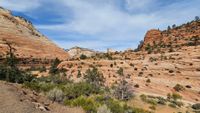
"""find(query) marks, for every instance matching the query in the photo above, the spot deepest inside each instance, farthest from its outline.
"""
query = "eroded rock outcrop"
(184, 35)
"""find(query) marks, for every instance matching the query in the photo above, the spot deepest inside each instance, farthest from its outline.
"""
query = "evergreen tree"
(94, 77)
(54, 66)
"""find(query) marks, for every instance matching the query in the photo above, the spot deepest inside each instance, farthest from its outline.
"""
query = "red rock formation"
(152, 36)
(178, 36)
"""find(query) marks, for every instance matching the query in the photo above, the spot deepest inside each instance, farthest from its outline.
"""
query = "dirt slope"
(15, 99)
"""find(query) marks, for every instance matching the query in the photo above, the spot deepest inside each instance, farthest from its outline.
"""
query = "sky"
(102, 24)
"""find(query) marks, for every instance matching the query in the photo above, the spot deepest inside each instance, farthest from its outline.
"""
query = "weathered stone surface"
(28, 42)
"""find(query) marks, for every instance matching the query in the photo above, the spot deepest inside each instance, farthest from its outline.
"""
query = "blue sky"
(102, 24)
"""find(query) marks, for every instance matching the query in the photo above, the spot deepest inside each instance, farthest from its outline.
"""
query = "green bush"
(172, 105)
(53, 68)
(177, 103)
(120, 71)
(93, 103)
(88, 104)
(83, 57)
(79, 74)
(39, 86)
(75, 90)
(56, 95)
(94, 77)
(179, 87)
(196, 106)
(162, 101)
(143, 97)
(176, 96)
(151, 101)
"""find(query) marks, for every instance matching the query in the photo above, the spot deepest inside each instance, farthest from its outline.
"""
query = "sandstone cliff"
(28, 42)
(184, 35)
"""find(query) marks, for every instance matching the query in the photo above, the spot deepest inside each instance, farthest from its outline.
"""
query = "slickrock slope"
(154, 73)
(28, 42)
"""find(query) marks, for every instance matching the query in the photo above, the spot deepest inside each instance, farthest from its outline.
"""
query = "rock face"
(152, 36)
(76, 52)
(28, 42)
(177, 36)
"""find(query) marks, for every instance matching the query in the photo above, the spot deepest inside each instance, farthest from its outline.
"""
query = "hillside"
(17, 99)
(175, 37)
(28, 42)
(154, 73)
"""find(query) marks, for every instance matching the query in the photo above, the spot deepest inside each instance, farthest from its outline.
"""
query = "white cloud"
(20, 5)
(108, 22)
(138, 4)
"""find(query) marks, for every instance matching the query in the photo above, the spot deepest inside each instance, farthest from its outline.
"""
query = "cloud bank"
(102, 24)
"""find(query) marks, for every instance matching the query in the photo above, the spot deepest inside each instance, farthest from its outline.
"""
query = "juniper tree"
(94, 77)
(54, 66)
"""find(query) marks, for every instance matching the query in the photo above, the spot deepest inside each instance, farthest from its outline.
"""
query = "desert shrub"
(34, 68)
(136, 86)
(97, 103)
(172, 105)
(177, 103)
(143, 97)
(123, 91)
(171, 71)
(151, 59)
(149, 48)
(148, 81)
(56, 95)
(75, 90)
(120, 71)
(83, 57)
(79, 74)
(94, 77)
(53, 68)
(179, 87)
(161, 100)
(151, 101)
(39, 86)
(42, 69)
(111, 65)
(196, 106)
(132, 65)
(103, 109)
(88, 104)
(140, 74)
(174, 96)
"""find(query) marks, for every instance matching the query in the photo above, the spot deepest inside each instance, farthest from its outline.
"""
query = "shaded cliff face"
(183, 35)
(28, 42)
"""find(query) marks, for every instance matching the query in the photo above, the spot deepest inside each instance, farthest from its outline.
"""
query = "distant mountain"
(28, 42)
(76, 52)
